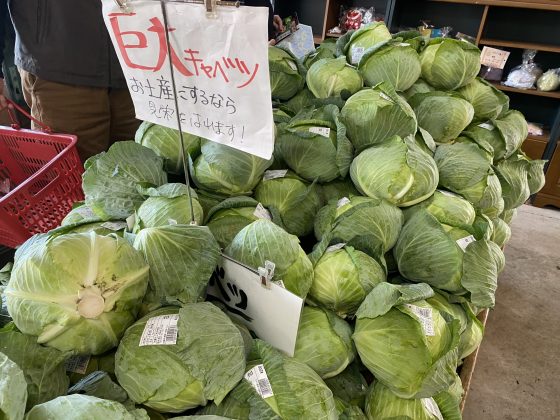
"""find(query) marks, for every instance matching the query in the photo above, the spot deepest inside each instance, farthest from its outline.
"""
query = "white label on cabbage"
(486, 126)
(261, 212)
(404, 44)
(464, 242)
(322, 131)
(77, 364)
(85, 211)
(357, 54)
(171, 221)
(160, 330)
(292, 65)
(335, 247)
(115, 226)
(431, 407)
(342, 202)
(424, 315)
(259, 380)
(130, 221)
(275, 173)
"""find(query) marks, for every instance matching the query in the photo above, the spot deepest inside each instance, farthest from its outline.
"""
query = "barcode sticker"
(342, 202)
(259, 380)
(275, 173)
(115, 226)
(424, 315)
(322, 131)
(357, 54)
(292, 65)
(335, 247)
(486, 126)
(160, 330)
(261, 212)
(431, 407)
(464, 242)
(85, 211)
(77, 364)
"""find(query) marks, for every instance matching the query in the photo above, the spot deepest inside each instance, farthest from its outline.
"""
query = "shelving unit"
(535, 92)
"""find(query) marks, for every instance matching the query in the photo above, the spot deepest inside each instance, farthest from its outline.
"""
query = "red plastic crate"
(45, 174)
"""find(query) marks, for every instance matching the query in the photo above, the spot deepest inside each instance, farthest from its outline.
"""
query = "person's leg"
(123, 120)
(79, 110)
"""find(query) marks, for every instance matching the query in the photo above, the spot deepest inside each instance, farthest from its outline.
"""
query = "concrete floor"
(517, 375)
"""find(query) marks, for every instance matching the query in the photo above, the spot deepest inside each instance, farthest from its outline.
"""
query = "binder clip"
(266, 273)
(123, 5)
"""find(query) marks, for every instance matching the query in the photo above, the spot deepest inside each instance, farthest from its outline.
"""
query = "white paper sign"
(160, 330)
(424, 316)
(271, 312)
(493, 57)
(77, 364)
(259, 380)
(322, 131)
(464, 242)
(220, 66)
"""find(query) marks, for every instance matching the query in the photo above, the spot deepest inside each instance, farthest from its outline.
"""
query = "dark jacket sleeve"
(264, 3)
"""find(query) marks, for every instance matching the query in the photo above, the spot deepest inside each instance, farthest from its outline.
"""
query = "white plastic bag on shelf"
(525, 75)
(549, 81)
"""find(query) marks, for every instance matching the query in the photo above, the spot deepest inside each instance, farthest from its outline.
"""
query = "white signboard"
(270, 311)
(220, 66)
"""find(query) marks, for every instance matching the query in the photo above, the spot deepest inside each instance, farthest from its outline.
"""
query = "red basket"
(47, 174)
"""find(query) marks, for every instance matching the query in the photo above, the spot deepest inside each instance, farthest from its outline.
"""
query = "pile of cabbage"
(395, 176)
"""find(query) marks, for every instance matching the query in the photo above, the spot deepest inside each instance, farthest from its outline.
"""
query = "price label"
(493, 57)
(160, 330)
(322, 131)
(425, 316)
(258, 378)
(77, 364)
(275, 173)
(342, 202)
(464, 242)
(271, 312)
(115, 226)
(86, 212)
(335, 247)
(357, 54)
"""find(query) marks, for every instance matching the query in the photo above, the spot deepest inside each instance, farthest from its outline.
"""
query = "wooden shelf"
(534, 92)
(531, 4)
(544, 138)
(334, 35)
(317, 39)
(520, 45)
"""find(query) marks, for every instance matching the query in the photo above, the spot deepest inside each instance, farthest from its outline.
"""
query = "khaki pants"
(98, 116)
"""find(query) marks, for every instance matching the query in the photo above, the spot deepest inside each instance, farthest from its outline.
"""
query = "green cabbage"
(262, 240)
(397, 171)
(371, 116)
(224, 170)
(314, 144)
(43, 370)
(298, 392)
(368, 224)
(293, 199)
(324, 342)
(488, 102)
(501, 232)
(285, 77)
(450, 209)
(76, 292)
(13, 390)
(331, 76)
(166, 205)
(466, 169)
(364, 38)
(182, 259)
(343, 278)
(111, 179)
(449, 63)
(349, 386)
(439, 254)
(166, 142)
(442, 114)
(420, 86)
(327, 49)
(449, 401)
(337, 189)
(394, 62)
(405, 342)
(206, 362)
(77, 407)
